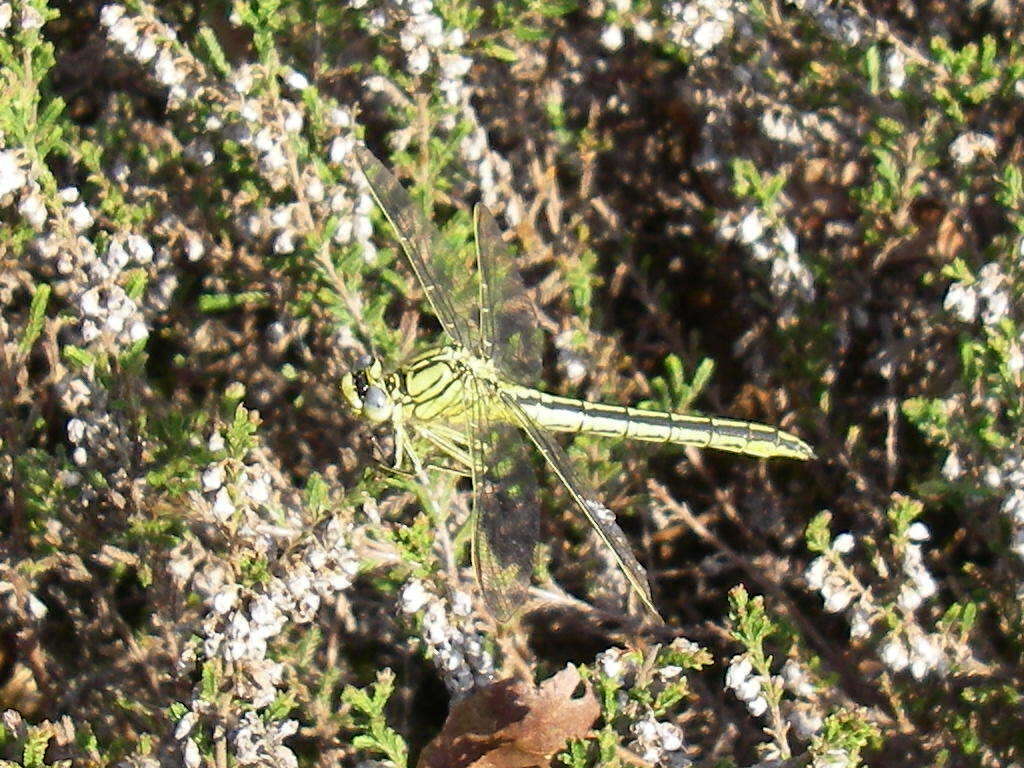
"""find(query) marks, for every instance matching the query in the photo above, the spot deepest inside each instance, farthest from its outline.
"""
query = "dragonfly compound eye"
(376, 406)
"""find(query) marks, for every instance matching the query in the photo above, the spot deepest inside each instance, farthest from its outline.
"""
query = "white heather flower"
(138, 331)
(34, 210)
(285, 242)
(612, 38)
(895, 69)
(216, 442)
(750, 229)
(757, 706)
(462, 603)
(843, 543)
(190, 754)
(166, 71)
(894, 654)
(414, 596)
(259, 489)
(832, 758)
(124, 33)
(315, 189)
(362, 228)
(656, 741)
(35, 607)
(925, 656)
(914, 567)
(779, 127)
(967, 147)
(740, 669)
(68, 195)
(909, 599)
(80, 217)
(997, 307)
(296, 81)
(837, 596)
(266, 617)
(951, 468)
(223, 507)
(992, 477)
(610, 663)
(708, 35)
(12, 177)
(31, 18)
(575, 368)
(816, 573)
(1017, 543)
(340, 118)
(1015, 361)
(805, 721)
(341, 147)
(860, 620)
(796, 679)
(76, 430)
(213, 478)
(274, 159)
(293, 121)
(193, 247)
(225, 599)
(962, 300)
(146, 50)
(5, 16)
(435, 624)
(419, 60)
(670, 672)
(185, 725)
(924, 583)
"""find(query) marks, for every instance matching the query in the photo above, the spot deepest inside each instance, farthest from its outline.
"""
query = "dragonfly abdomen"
(565, 414)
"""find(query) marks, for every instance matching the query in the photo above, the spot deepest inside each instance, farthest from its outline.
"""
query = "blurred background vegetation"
(804, 213)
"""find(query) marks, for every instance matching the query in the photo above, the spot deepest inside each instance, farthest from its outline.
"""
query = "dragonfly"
(471, 400)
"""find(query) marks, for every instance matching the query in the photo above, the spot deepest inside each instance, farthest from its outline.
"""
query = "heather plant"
(803, 213)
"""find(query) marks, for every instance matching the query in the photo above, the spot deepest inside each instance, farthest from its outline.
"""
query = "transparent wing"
(505, 514)
(510, 334)
(445, 277)
(597, 514)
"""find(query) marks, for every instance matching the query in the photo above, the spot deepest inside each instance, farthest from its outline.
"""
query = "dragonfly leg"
(451, 443)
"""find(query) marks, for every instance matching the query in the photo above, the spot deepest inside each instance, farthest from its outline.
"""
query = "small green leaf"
(36, 318)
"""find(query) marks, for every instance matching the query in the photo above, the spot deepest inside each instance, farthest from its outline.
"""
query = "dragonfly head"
(364, 390)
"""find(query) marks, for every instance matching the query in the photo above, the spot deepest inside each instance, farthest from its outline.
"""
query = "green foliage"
(749, 182)
(672, 391)
(976, 73)
(368, 720)
(751, 626)
(266, 20)
(847, 732)
(901, 513)
(818, 534)
(240, 435)
(225, 302)
(582, 278)
(36, 317)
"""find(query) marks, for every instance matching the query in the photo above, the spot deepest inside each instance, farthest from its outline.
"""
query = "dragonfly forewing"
(510, 333)
(446, 278)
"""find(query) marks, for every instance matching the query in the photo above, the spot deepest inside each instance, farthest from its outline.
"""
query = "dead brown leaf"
(511, 724)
